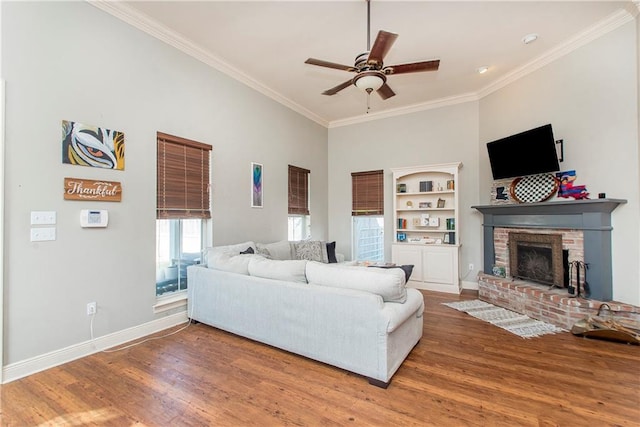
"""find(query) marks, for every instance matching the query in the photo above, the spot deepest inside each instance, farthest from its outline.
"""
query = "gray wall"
(442, 135)
(72, 61)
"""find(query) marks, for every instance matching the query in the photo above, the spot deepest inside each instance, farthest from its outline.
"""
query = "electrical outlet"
(92, 308)
(470, 267)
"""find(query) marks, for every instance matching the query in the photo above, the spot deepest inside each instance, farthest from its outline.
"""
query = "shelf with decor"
(426, 232)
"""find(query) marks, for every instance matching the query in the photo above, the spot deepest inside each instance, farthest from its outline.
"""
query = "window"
(182, 209)
(367, 212)
(299, 226)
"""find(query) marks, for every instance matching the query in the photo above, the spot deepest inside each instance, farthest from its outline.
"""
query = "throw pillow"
(311, 250)
(248, 251)
(331, 252)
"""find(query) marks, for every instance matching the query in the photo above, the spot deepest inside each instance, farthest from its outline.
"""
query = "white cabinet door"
(408, 255)
(440, 268)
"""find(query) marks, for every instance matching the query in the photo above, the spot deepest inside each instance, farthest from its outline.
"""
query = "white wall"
(442, 135)
(69, 60)
(590, 96)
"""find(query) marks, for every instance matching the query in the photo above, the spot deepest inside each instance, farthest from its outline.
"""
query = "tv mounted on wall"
(527, 153)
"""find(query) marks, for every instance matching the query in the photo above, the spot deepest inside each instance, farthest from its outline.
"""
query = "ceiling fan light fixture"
(369, 81)
(529, 38)
(483, 69)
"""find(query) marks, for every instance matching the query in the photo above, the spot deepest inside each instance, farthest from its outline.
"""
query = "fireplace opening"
(538, 258)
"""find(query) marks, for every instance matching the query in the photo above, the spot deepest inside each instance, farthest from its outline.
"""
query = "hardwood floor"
(464, 372)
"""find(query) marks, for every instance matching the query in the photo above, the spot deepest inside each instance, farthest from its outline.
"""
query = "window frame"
(298, 185)
(367, 199)
(182, 192)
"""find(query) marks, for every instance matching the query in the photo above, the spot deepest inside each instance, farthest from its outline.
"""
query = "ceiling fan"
(371, 74)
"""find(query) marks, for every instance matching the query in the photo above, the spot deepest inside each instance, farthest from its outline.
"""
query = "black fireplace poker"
(575, 291)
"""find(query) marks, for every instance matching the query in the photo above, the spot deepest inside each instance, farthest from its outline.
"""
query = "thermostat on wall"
(89, 218)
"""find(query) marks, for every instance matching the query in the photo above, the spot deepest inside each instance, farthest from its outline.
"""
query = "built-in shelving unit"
(426, 226)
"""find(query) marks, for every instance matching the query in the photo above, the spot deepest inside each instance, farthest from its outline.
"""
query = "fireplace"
(591, 217)
(584, 227)
(537, 257)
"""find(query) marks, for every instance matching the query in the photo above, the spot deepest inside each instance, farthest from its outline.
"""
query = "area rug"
(516, 323)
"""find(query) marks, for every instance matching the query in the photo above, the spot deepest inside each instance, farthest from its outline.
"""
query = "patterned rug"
(516, 323)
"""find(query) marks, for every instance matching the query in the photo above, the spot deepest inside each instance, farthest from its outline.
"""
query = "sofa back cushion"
(287, 270)
(231, 263)
(277, 250)
(389, 284)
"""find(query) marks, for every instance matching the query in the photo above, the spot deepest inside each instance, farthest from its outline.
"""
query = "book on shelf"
(426, 186)
(451, 223)
(402, 223)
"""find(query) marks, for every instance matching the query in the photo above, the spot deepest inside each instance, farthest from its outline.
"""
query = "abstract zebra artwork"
(87, 145)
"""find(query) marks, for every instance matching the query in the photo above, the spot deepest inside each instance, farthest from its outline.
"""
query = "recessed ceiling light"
(529, 38)
(483, 69)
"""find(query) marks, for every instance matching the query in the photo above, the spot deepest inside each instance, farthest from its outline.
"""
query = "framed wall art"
(256, 185)
(93, 146)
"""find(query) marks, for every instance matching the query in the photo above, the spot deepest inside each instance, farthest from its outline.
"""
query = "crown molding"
(601, 28)
(144, 23)
(438, 103)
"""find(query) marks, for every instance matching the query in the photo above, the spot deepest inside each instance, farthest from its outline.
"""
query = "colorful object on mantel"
(567, 189)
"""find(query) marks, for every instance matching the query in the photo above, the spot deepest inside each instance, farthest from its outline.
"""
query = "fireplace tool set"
(577, 266)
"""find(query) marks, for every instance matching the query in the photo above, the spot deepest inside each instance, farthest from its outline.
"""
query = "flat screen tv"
(527, 153)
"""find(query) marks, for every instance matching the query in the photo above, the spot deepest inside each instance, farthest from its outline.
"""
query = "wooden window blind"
(298, 191)
(182, 178)
(367, 193)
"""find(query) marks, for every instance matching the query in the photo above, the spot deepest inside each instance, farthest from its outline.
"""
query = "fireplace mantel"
(593, 217)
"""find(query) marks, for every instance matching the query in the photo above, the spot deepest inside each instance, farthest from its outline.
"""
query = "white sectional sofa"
(360, 319)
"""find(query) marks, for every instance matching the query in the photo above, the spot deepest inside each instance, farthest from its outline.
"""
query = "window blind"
(182, 178)
(367, 193)
(298, 191)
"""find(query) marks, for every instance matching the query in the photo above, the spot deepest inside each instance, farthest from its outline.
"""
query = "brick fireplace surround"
(586, 229)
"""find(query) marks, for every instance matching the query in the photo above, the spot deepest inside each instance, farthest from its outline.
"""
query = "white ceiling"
(265, 43)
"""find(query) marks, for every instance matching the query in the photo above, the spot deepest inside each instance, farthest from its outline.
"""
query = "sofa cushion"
(311, 250)
(229, 249)
(231, 263)
(277, 250)
(286, 270)
(388, 283)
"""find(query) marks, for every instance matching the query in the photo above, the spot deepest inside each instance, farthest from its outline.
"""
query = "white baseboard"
(40, 363)
(466, 285)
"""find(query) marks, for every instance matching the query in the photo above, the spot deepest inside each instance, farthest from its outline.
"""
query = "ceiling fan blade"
(385, 92)
(338, 88)
(328, 64)
(414, 67)
(381, 47)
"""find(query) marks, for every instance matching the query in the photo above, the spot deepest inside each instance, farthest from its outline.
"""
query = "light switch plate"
(43, 217)
(43, 234)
